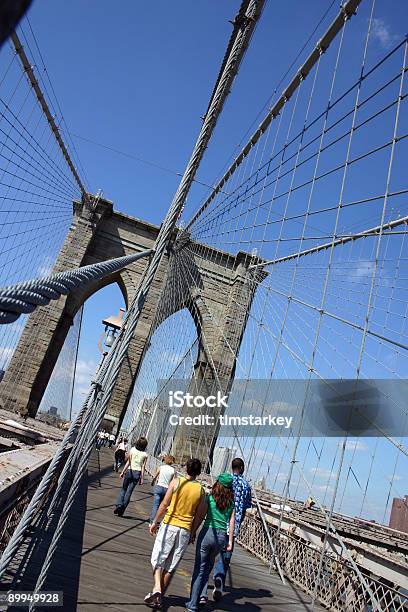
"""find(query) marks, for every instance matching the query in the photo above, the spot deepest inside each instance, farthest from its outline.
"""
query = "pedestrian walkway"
(115, 570)
(103, 562)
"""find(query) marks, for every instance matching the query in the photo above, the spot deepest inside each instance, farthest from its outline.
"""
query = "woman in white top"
(132, 474)
(161, 481)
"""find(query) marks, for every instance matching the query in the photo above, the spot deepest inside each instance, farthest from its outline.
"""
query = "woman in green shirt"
(216, 535)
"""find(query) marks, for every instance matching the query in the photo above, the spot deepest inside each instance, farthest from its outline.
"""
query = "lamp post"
(112, 326)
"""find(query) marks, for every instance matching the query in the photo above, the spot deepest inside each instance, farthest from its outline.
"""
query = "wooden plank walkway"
(103, 561)
(115, 570)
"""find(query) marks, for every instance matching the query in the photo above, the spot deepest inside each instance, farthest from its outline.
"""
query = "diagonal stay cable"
(347, 9)
(35, 85)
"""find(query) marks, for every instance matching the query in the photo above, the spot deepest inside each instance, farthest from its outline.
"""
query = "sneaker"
(120, 511)
(203, 600)
(116, 510)
(153, 599)
(217, 592)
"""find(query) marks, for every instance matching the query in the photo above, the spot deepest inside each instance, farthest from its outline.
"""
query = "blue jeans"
(210, 543)
(222, 565)
(130, 480)
(220, 570)
(159, 493)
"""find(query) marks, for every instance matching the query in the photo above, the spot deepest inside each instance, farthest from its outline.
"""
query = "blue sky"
(138, 78)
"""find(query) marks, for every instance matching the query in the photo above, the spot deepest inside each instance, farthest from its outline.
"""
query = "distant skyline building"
(399, 514)
(142, 417)
(222, 458)
(261, 484)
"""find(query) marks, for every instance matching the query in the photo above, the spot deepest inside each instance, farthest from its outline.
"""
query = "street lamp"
(112, 325)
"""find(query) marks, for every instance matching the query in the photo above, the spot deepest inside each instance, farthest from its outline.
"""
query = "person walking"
(179, 511)
(132, 474)
(242, 501)
(106, 438)
(213, 537)
(111, 440)
(99, 440)
(120, 453)
(161, 481)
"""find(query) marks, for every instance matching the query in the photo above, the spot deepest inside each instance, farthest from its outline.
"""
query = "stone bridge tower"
(217, 285)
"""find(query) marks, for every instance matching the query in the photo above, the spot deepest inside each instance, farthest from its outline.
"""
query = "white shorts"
(169, 547)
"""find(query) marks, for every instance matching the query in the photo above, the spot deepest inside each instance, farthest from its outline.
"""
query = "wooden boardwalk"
(104, 560)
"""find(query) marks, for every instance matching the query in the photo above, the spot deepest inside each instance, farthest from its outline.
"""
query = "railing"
(339, 588)
(13, 509)
(11, 514)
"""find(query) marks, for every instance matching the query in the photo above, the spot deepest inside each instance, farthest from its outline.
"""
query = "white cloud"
(85, 372)
(363, 270)
(173, 359)
(16, 327)
(354, 445)
(12, 333)
(381, 32)
(46, 266)
(324, 488)
(6, 354)
(281, 477)
(261, 455)
(322, 472)
(395, 477)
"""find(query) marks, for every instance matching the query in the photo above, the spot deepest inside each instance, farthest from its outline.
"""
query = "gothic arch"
(209, 291)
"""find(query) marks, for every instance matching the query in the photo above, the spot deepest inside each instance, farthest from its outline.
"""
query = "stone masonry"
(221, 301)
(216, 283)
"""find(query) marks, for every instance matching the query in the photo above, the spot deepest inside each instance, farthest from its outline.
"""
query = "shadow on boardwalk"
(104, 560)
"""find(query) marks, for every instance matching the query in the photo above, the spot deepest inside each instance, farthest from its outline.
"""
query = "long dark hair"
(223, 496)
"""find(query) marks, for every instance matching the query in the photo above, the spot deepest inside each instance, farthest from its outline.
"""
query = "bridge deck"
(104, 561)
(115, 568)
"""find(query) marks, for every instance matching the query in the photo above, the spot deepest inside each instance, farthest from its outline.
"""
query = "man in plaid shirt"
(243, 501)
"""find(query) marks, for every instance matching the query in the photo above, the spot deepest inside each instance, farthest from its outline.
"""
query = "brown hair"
(193, 467)
(169, 459)
(223, 496)
(238, 465)
(141, 444)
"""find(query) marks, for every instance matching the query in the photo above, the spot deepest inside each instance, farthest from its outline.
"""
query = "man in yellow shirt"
(179, 509)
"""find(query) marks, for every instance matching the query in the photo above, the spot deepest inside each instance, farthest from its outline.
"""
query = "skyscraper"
(399, 514)
(222, 459)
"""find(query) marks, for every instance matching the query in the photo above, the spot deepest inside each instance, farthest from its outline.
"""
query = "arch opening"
(171, 354)
(80, 354)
